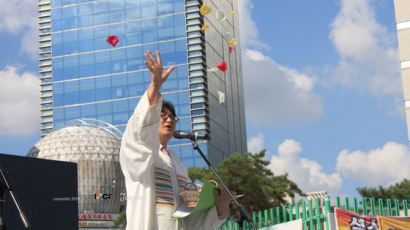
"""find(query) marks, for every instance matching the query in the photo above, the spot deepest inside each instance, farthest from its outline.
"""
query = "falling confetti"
(113, 40)
(204, 27)
(213, 69)
(232, 42)
(221, 97)
(220, 15)
(233, 13)
(205, 9)
(222, 66)
(230, 49)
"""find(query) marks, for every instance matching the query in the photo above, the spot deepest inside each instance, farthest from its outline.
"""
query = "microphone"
(178, 134)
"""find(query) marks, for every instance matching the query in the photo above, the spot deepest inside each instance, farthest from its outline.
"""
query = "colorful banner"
(394, 223)
(346, 220)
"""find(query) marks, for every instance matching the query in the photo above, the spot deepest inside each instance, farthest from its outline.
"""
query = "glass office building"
(83, 76)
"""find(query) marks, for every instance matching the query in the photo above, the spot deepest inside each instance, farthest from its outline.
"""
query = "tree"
(248, 174)
(399, 191)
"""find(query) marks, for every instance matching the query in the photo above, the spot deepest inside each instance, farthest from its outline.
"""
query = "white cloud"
(255, 144)
(19, 102)
(307, 174)
(369, 55)
(275, 94)
(255, 55)
(20, 16)
(248, 32)
(383, 166)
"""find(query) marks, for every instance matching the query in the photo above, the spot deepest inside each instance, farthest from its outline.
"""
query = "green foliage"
(121, 219)
(399, 191)
(248, 174)
(201, 174)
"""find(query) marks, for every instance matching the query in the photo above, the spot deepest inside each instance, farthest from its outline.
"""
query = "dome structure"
(95, 149)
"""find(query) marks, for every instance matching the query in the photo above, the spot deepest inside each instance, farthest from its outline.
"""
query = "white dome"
(96, 153)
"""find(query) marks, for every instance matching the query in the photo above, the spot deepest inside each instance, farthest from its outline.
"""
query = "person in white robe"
(154, 175)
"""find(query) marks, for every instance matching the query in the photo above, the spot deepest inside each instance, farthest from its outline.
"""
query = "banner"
(394, 223)
(346, 220)
(291, 225)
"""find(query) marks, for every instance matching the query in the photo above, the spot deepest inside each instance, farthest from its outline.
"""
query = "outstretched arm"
(158, 76)
(141, 135)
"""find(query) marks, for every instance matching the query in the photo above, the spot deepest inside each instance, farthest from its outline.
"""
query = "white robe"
(153, 179)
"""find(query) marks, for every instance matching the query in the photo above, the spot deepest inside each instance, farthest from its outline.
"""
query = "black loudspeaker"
(46, 191)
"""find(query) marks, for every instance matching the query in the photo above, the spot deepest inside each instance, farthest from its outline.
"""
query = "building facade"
(83, 76)
(402, 11)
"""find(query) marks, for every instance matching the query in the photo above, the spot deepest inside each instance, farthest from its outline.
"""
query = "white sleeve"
(206, 220)
(140, 141)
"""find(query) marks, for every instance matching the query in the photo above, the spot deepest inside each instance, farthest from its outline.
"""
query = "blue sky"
(322, 89)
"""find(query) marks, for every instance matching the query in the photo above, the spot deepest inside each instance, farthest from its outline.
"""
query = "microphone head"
(177, 134)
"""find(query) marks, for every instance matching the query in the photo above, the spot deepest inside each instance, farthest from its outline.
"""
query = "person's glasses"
(165, 116)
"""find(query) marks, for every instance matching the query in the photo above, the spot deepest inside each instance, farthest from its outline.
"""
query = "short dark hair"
(168, 105)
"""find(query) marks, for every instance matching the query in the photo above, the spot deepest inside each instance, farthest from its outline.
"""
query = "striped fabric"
(164, 195)
(182, 181)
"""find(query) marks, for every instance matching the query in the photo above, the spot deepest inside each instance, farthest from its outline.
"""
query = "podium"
(46, 191)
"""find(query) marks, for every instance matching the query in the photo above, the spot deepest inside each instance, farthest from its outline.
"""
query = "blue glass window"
(58, 114)
(180, 52)
(135, 84)
(135, 59)
(86, 65)
(70, 67)
(58, 97)
(88, 111)
(100, 35)
(148, 9)
(149, 30)
(71, 92)
(85, 40)
(103, 88)
(118, 63)
(102, 63)
(119, 86)
(58, 74)
(87, 90)
(72, 113)
(104, 108)
(70, 42)
(132, 12)
(167, 51)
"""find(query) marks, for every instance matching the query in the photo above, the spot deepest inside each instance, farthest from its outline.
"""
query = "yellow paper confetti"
(232, 43)
(205, 9)
(204, 27)
(233, 13)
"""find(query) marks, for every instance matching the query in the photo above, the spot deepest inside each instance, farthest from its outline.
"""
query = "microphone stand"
(5, 186)
(243, 211)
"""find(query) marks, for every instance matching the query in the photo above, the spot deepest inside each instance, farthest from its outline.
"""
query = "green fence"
(317, 218)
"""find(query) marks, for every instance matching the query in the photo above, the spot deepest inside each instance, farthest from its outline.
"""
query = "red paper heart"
(230, 49)
(222, 66)
(113, 40)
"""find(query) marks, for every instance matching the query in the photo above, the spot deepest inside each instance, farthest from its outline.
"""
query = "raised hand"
(158, 76)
